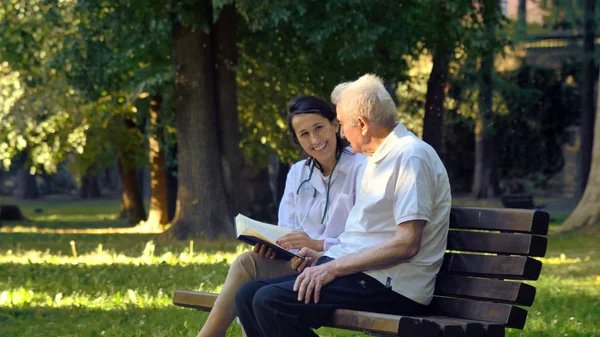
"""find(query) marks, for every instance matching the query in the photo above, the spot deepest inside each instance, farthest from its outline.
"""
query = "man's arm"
(403, 246)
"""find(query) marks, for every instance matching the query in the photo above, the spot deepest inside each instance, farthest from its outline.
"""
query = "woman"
(319, 193)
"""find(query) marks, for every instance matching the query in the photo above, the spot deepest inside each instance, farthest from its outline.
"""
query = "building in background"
(535, 14)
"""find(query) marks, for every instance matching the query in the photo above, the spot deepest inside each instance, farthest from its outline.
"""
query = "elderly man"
(395, 235)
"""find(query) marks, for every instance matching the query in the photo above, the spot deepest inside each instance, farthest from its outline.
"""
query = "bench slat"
(484, 289)
(469, 327)
(494, 266)
(500, 243)
(511, 220)
(194, 299)
(505, 314)
(365, 321)
(518, 201)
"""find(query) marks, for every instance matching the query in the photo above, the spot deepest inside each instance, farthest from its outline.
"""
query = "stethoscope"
(312, 168)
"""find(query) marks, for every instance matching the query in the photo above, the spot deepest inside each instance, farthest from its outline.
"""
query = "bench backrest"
(487, 250)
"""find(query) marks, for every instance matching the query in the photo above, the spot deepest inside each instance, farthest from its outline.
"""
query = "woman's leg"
(246, 267)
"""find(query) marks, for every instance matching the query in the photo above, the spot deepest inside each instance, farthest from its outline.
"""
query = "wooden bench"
(476, 294)
(524, 201)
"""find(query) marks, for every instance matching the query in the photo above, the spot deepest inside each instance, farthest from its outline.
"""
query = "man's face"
(350, 130)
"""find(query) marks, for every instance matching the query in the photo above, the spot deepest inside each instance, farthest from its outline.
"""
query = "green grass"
(69, 213)
(121, 284)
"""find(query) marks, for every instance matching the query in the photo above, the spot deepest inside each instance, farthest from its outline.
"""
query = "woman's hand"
(264, 251)
(299, 240)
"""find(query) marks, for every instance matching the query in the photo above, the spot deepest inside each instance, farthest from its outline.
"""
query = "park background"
(132, 131)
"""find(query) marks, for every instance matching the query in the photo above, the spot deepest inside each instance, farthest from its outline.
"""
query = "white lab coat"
(300, 211)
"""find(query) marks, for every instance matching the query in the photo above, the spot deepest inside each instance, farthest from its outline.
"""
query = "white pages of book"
(270, 231)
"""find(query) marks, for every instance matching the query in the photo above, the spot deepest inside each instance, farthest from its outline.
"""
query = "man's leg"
(277, 311)
(244, 299)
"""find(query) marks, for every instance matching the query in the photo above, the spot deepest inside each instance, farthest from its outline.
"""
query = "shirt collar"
(389, 142)
(343, 166)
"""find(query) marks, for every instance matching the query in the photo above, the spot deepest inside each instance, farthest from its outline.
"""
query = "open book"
(253, 232)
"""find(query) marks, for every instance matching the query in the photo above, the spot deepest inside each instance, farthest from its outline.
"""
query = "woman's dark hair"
(313, 105)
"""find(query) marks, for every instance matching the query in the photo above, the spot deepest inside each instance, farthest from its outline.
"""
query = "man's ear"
(363, 125)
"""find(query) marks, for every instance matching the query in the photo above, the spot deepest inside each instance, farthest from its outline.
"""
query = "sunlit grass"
(81, 284)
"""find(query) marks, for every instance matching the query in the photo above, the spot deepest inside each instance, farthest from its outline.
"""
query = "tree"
(157, 216)
(202, 208)
(485, 179)
(33, 117)
(90, 188)
(28, 185)
(587, 96)
(442, 43)
(226, 55)
(433, 121)
(587, 212)
(117, 66)
(522, 19)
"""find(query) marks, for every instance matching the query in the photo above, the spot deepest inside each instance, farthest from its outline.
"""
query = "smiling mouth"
(321, 147)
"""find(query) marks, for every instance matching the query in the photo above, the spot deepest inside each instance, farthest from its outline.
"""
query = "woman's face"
(317, 136)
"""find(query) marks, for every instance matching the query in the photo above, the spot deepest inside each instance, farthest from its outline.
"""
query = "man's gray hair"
(368, 98)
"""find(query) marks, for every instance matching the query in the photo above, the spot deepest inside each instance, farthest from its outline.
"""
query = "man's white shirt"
(403, 180)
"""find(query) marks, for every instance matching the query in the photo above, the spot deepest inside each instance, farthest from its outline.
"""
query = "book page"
(271, 232)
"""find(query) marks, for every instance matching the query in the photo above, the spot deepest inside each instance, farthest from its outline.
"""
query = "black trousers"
(271, 308)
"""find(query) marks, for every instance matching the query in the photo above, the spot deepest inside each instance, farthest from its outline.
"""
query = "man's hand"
(264, 251)
(310, 258)
(312, 280)
(298, 240)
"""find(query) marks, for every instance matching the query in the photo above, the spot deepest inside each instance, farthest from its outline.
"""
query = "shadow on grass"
(103, 282)
(66, 224)
(127, 244)
(74, 321)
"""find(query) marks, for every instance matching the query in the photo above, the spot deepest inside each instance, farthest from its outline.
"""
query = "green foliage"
(532, 109)
(121, 284)
(74, 71)
(37, 101)
(565, 15)
(281, 42)
(531, 134)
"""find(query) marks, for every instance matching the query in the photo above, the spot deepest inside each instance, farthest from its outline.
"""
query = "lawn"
(121, 284)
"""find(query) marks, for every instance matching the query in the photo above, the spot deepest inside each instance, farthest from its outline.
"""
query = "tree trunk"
(485, 180)
(587, 212)
(172, 182)
(29, 188)
(257, 191)
(90, 188)
(224, 38)
(433, 122)
(109, 179)
(202, 206)
(587, 97)
(158, 178)
(132, 203)
(522, 19)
